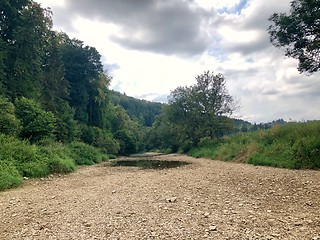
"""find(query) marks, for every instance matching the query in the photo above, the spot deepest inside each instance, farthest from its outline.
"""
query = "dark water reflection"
(148, 164)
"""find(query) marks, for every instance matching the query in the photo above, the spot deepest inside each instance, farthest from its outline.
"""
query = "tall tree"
(56, 88)
(201, 110)
(26, 51)
(98, 99)
(299, 33)
(82, 67)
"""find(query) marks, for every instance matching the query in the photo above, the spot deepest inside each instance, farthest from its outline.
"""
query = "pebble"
(171, 200)
(206, 214)
(213, 228)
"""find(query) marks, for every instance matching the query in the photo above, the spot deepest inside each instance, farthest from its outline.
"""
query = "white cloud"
(154, 50)
(217, 4)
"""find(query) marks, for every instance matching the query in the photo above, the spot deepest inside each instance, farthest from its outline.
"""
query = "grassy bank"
(19, 159)
(293, 146)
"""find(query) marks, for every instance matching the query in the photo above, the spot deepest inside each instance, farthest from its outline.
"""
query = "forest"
(57, 111)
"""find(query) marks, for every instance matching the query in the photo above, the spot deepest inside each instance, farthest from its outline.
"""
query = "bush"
(84, 154)
(9, 175)
(99, 138)
(58, 155)
(36, 123)
(9, 124)
(61, 165)
(294, 146)
(34, 169)
(12, 149)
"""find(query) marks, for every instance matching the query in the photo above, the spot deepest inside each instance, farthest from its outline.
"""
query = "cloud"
(150, 47)
(172, 27)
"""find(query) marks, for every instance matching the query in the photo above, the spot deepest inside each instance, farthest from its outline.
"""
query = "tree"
(83, 68)
(36, 123)
(25, 38)
(201, 110)
(55, 91)
(9, 124)
(299, 33)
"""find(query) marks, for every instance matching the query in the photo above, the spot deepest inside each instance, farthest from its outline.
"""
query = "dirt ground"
(204, 200)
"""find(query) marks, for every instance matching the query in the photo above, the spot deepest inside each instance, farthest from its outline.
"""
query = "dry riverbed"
(204, 200)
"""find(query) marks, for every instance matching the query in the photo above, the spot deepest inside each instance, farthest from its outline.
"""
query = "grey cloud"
(172, 27)
(248, 48)
(256, 20)
(155, 97)
(111, 67)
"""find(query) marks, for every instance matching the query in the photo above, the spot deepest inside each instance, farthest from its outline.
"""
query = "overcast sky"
(151, 47)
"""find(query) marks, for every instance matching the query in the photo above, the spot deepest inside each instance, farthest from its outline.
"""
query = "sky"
(151, 47)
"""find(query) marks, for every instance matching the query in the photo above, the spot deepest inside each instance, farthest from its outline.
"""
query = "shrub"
(84, 154)
(36, 122)
(17, 150)
(34, 169)
(61, 165)
(58, 155)
(9, 175)
(294, 146)
(9, 124)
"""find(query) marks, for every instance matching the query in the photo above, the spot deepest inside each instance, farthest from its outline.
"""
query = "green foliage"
(35, 169)
(36, 123)
(9, 175)
(199, 110)
(25, 54)
(128, 142)
(294, 146)
(24, 156)
(84, 154)
(298, 33)
(59, 156)
(9, 124)
(99, 138)
(126, 131)
(12, 149)
(193, 113)
(143, 111)
(67, 128)
(83, 70)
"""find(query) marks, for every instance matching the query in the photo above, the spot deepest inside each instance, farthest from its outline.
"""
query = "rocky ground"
(203, 200)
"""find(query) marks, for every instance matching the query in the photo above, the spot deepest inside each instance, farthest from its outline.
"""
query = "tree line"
(52, 86)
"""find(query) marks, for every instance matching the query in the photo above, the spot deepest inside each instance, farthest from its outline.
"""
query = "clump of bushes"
(84, 154)
(294, 146)
(9, 175)
(20, 159)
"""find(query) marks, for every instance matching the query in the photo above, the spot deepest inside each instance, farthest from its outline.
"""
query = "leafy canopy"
(299, 33)
(201, 110)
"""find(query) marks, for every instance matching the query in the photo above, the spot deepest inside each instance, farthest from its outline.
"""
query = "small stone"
(172, 200)
(213, 228)
(298, 224)
(114, 191)
(87, 224)
(206, 214)
(271, 222)
(25, 178)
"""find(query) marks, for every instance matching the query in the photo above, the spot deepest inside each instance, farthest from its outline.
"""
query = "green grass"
(294, 146)
(84, 154)
(20, 159)
(9, 175)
